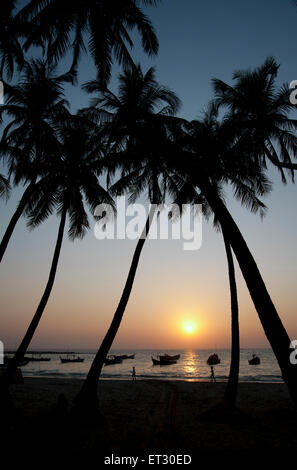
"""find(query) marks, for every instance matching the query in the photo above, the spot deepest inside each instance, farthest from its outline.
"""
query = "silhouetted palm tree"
(103, 24)
(213, 148)
(69, 179)
(139, 119)
(4, 186)
(206, 174)
(35, 106)
(11, 53)
(259, 112)
(232, 384)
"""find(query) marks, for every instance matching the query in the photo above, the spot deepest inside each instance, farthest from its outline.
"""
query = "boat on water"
(162, 361)
(255, 361)
(112, 359)
(168, 357)
(126, 356)
(213, 360)
(39, 358)
(71, 358)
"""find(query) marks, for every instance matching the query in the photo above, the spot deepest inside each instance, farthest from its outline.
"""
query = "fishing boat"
(255, 361)
(71, 358)
(126, 356)
(213, 360)
(168, 357)
(110, 360)
(37, 358)
(162, 361)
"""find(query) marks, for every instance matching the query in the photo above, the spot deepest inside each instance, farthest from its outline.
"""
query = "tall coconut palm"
(139, 119)
(103, 24)
(205, 175)
(260, 114)
(67, 180)
(219, 154)
(232, 384)
(34, 106)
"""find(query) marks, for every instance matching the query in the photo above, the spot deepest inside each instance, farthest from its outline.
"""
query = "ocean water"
(190, 367)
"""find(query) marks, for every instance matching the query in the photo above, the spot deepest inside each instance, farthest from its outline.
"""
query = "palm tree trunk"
(13, 221)
(272, 324)
(86, 400)
(231, 389)
(11, 369)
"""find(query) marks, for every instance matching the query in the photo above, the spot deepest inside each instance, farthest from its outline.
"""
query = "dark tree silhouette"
(231, 389)
(11, 28)
(138, 119)
(259, 112)
(70, 177)
(4, 186)
(211, 148)
(34, 107)
(206, 175)
(103, 25)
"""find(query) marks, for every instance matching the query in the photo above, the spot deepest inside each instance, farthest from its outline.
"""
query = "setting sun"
(189, 327)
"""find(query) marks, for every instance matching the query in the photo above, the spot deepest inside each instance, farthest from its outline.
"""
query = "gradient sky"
(198, 41)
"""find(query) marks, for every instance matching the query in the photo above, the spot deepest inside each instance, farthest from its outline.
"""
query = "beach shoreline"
(161, 379)
(162, 414)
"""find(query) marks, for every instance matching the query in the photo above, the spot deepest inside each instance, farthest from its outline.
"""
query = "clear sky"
(198, 41)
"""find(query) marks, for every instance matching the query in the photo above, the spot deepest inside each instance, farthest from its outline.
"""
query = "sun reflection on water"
(190, 366)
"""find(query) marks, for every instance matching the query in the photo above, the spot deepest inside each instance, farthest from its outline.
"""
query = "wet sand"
(150, 415)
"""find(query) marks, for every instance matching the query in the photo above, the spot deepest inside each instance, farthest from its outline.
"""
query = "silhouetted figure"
(212, 376)
(133, 373)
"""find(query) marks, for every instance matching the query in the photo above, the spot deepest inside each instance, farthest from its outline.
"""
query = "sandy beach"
(150, 416)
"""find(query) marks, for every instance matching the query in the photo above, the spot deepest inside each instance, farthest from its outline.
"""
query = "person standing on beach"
(133, 373)
(212, 376)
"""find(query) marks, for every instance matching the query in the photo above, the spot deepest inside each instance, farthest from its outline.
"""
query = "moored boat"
(168, 357)
(71, 358)
(213, 360)
(126, 356)
(162, 361)
(255, 361)
(110, 360)
(37, 359)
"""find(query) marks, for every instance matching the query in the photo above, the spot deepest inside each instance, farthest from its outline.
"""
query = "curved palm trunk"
(273, 327)
(13, 221)
(231, 389)
(11, 369)
(86, 400)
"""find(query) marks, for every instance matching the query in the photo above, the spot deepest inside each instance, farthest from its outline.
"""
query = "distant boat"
(162, 361)
(168, 357)
(213, 360)
(126, 356)
(110, 360)
(71, 358)
(255, 361)
(37, 358)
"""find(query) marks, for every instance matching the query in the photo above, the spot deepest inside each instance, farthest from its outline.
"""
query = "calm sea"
(191, 366)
